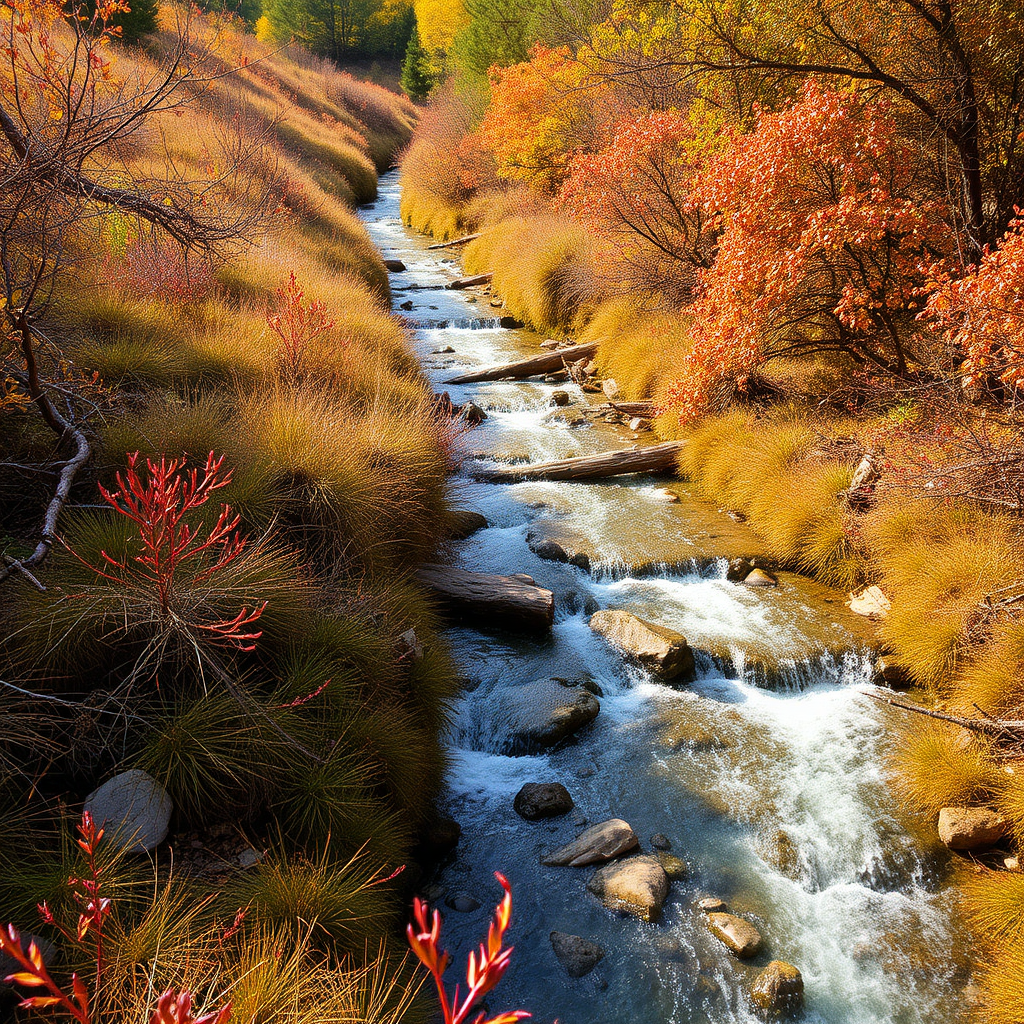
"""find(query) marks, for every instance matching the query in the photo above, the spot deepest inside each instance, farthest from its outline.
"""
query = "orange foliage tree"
(637, 188)
(824, 247)
(539, 117)
(981, 314)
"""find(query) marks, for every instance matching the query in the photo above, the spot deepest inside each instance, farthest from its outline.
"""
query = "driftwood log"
(454, 241)
(645, 410)
(470, 282)
(499, 600)
(657, 458)
(532, 367)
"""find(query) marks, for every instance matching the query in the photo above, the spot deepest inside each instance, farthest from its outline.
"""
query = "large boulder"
(599, 843)
(661, 650)
(577, 955)
(738, 936)
(543, 713)
(542, 800)
(971, 828)
(637, 886)
(134, 809)
(778, 990)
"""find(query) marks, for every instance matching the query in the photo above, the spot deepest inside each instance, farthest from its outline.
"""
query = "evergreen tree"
(416, 76)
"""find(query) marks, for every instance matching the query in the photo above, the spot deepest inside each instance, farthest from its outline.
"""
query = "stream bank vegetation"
(219, 466)
(797, 236)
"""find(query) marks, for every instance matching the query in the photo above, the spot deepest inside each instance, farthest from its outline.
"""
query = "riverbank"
(782, 461)
(249, 657)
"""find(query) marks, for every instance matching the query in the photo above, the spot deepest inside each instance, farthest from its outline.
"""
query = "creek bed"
(774, 798)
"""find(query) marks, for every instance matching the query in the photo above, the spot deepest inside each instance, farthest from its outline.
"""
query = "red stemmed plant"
(160, 503)
(297, 323)
(173, 1006)
(485, 968)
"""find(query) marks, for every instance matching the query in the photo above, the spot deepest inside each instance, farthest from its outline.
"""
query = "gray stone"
(472, 413)
(134, 809)
(971, 828)
(543, 713)
(550, 550)
(661, 650)
(778, 990)
(660, 842)
(462, 523)
(462, 903)
(577, 955)
(637, 886)
(601, 842)
(738, 936)
(542, 800)
(411, 646)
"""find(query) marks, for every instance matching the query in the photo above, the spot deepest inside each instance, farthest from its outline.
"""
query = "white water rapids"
(775, 798)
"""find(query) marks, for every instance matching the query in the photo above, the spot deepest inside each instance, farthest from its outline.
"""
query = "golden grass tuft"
(1001, 976)
(938, 561)
(936, 766)
(993, 903)
(546, 270)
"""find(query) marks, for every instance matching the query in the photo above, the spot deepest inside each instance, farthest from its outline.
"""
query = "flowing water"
(774, 797)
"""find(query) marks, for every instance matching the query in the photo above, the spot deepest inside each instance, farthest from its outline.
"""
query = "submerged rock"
(601, 842)
(712, 905)
(581, 560)
(550, 550)
(738, 936)
(673, 866)
(472, 413)
(134, 809)
(543, 713)
(637, 886)
(577, 955)
(463, 523)
(971, 828)
(660, 842)
(661, 650)
(559, 397)
(778, 990)
(462, 903)
(542, 800)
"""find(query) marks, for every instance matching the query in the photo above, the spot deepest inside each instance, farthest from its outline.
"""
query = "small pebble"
(660, 842)
(711, 905)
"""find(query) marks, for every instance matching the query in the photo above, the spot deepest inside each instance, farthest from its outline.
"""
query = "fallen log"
(645, 410)
(506, 601)
(656, 458)
(454, 241)
(470, 282)
(533, 367)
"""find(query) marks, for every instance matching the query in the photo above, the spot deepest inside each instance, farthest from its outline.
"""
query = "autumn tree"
(539, 117)
(981, 314)
(826, 240)
(637, 188)
(952, 66)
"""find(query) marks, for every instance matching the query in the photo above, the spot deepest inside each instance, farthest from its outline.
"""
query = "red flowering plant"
(173, 1006)
(297, 324)
(486, 966)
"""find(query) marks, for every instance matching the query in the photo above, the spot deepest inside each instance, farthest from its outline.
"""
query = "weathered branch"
(454, 241)
(995, 727)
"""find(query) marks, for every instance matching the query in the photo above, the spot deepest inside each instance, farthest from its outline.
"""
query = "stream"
(775, 798)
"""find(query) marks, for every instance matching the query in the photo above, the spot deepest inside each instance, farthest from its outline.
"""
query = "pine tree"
(416, 75)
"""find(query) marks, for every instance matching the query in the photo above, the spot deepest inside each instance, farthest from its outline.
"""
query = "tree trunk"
(505, 601)
(533, 367)
(658, 458)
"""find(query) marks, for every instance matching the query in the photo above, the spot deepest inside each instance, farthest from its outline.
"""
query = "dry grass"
(546, 270)
(935, 766)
